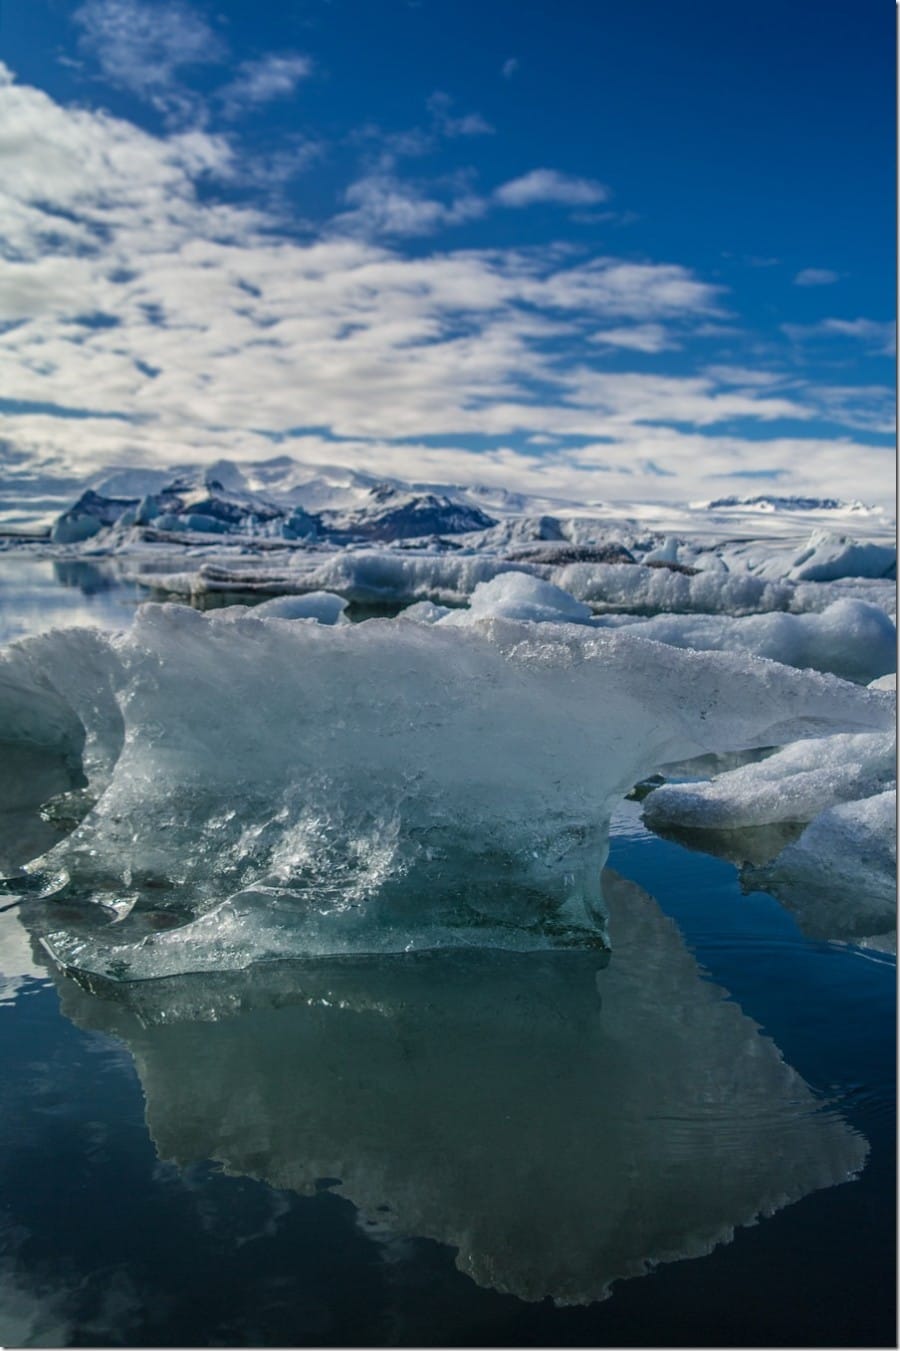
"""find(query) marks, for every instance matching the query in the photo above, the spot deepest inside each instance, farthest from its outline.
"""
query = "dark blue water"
(113, 1233)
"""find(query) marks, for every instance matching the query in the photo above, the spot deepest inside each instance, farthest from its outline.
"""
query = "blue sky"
(597, 250)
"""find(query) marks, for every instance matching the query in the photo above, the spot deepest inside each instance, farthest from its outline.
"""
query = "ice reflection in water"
(562, 1126)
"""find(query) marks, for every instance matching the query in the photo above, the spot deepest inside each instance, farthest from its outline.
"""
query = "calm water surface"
(458, 1149)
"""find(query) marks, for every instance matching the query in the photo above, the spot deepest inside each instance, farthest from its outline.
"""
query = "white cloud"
(275, 76)
(750, 376)
(865, 408)
(383, 204)
(142, 48)
(447, 124)
(222, 336)
(816, 276)
(697, 401)
(878, 335)
(639, 338)
(547, 185)
(509, 67)
(647, 291)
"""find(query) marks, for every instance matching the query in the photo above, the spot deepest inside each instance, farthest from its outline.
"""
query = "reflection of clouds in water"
(492, 1101)
(18, 968)
(32, 1315)
(37, 595)
(259, 1217)
(52, 1307)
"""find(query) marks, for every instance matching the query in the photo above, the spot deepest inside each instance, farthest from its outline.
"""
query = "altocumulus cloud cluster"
(155, 309)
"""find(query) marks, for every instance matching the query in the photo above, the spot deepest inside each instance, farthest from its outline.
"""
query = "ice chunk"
(429, 1087)
(841, 875)
(793, 785)
(513, 595)
(321, 606)
(817, 596)
(424, 612)
(640, 589)
(850, 638)
(373, 578)
(667, 552)
(825, 557)
(885, 682)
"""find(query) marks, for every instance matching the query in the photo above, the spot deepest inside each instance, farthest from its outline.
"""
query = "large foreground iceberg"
(557, 1124)
(267, 786)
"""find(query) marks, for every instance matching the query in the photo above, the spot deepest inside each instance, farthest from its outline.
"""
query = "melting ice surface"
(266, 786)
(557, 1119)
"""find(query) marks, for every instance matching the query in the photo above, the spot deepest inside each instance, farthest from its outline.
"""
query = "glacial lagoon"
(681, 1136)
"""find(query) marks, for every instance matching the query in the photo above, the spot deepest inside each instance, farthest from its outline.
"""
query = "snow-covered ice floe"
(417, 1085)
(794, 784)
(638, 588)
(267, 785)
(850, 638)
(824, 557)
(814, 823)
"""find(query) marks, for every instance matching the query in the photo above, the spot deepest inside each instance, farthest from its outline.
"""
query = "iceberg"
(641, 589)
(514, 595)
(322, 607)
(396, 578)
(376, 578)
(826, 557)
(555, 1120)
(258, 787)
(367, 578)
